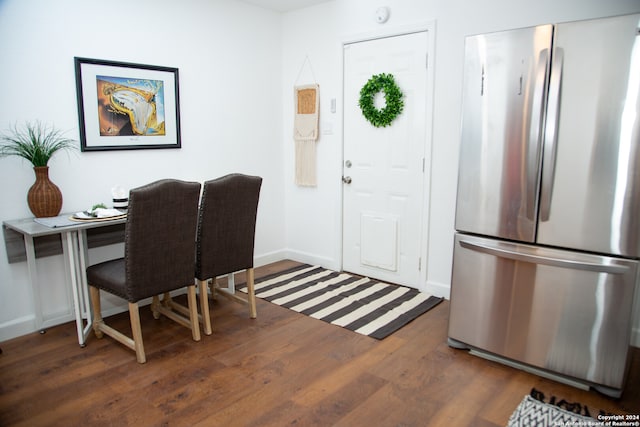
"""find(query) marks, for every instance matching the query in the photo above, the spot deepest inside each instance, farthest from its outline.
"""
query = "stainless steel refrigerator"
(548, 204)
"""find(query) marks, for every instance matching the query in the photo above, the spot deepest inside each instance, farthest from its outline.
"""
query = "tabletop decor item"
(126, 106)
(37, 143)
(120, 198)
(392, 96)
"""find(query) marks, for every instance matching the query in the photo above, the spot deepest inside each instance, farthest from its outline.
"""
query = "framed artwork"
(125, 106)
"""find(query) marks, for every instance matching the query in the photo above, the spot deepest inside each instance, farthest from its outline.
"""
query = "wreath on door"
(392, 96)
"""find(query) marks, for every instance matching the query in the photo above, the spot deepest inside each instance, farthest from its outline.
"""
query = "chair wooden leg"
(166, 300)
(178, 312)
(213, 287)
(97, 311)
(136, 331)
(100, 328)
(251, 293)
(193, 312)
(204, 306)
(155, 307)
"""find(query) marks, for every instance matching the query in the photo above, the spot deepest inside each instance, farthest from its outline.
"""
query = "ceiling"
(284, 5)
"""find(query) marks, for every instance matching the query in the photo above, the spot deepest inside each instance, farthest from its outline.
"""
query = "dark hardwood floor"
(282, 368)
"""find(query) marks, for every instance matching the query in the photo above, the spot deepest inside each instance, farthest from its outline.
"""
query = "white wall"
(314, 213)
(319, 32)
(229, 60)
(238, 65)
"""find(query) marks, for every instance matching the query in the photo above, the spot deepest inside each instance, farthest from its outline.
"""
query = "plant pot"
(44, 197)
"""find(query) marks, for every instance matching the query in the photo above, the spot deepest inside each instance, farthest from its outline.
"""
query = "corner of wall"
(312, 259)
(437, 289)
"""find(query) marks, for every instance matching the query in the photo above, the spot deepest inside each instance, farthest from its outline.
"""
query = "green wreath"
(392, 96)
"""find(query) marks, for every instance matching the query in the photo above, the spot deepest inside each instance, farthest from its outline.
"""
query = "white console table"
(74, 247)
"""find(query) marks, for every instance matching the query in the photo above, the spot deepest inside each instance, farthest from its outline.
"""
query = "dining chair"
(159, 256)
(225, 239)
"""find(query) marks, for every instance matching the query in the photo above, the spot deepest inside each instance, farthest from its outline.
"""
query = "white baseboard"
(26, 324)
(270, 257)
(437, 289)
(17, 327)
(312, 259)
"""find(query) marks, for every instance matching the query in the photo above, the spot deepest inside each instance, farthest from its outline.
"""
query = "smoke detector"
(382, 15)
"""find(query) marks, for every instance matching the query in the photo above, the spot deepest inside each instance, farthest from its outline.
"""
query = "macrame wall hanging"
(305, 129)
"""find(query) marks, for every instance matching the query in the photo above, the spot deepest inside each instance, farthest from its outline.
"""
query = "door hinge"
(426, 64)
(420, 264)
(423, 164)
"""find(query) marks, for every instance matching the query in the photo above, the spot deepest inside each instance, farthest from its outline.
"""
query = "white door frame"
(430, 28)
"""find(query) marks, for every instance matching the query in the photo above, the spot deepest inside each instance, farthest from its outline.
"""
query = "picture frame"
(127, 106)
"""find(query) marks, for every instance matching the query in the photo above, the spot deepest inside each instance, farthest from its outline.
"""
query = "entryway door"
(384, 168)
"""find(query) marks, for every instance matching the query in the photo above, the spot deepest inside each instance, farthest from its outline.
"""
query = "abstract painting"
(127, 106)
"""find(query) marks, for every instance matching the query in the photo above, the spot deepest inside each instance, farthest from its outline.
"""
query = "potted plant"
(37, 143)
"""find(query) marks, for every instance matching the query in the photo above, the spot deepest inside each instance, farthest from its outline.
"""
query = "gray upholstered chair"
(226, 234)
(159, 257)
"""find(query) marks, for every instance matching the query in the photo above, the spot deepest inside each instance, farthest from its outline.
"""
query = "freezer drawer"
(565, 312)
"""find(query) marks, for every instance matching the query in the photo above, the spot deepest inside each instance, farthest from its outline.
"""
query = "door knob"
(346, 179)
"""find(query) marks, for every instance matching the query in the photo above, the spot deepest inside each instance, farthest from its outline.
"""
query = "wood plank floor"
(280, 369)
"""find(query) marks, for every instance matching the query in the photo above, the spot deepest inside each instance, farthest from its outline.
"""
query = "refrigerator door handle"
(504, 252)
(551, 133)
(535, 132)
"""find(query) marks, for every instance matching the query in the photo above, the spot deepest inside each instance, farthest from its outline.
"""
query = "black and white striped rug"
(360, 304)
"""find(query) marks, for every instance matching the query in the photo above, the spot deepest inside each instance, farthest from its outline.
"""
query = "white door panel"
(382, 206)
(379, 241)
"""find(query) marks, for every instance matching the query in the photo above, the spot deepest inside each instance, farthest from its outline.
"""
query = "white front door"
(383, 167)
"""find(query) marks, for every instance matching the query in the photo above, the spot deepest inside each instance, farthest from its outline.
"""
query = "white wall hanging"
(305, 129)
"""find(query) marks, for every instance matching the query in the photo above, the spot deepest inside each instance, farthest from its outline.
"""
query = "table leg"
(231, 283)
(33, 276)
(83, 250)
(70, 248)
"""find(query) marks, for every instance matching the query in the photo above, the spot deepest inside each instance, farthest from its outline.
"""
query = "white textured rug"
(531, 412)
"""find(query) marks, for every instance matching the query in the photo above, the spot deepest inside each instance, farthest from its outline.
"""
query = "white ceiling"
(284, 5)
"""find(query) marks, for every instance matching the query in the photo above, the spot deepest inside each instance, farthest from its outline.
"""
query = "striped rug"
(360, 304)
